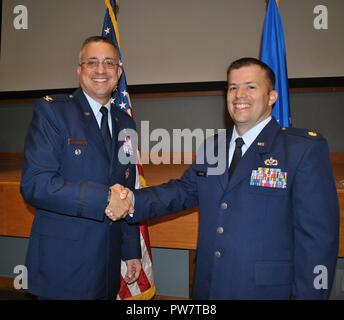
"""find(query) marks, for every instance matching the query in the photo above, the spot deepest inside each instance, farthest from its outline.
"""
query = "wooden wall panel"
(177, 231)
(15, 215)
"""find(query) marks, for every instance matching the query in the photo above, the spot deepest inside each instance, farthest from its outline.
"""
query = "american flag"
(144, 287)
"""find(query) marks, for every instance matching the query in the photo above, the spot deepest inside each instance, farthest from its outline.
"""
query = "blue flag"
(273, 54)
(120, 97)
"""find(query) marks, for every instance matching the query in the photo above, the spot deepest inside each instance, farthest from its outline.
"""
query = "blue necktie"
(104, 127)
(239, 142)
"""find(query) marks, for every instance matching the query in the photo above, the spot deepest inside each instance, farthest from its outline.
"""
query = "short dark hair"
(97, 39)
(249, 61)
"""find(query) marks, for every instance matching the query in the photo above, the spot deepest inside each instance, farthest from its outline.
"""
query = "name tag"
(201, 174)
(77, 141)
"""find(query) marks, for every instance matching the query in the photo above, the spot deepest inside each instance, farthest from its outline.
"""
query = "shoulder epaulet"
(313, 135)
(58, 98)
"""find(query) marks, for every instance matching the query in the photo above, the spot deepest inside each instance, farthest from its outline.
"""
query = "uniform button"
(217, 254)
(219, 230)
(224, 205)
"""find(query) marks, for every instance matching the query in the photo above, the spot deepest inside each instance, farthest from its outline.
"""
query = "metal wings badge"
(271, 162)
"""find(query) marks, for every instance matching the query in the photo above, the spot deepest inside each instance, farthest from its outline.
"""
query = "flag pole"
(113, 20)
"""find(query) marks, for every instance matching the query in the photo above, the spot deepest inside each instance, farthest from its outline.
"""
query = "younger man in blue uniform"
(269, 225)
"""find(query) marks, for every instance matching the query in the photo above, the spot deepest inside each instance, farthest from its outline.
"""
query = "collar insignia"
(48, 98)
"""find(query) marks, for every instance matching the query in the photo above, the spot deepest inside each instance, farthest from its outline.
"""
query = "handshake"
(121, 203)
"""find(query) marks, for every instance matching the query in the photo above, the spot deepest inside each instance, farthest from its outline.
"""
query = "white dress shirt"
(95, 106)
(248, 137)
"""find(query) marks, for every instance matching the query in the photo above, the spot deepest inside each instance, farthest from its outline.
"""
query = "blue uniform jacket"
(259, 242)
(74, 249)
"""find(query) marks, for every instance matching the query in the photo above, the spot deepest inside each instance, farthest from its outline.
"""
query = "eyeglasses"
(107, 64)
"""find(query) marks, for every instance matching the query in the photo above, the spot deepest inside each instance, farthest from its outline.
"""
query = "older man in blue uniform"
(268, 225)
(71, 160)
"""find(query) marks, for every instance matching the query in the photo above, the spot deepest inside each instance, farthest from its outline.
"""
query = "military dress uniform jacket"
(259, 239)
(75, 250)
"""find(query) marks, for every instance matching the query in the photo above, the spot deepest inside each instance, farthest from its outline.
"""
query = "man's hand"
(134, 267)
(128, 194)
(120, 204)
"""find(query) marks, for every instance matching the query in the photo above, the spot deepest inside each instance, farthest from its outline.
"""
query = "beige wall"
(164, 41)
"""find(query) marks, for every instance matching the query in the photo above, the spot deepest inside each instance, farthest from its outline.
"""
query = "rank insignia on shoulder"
(127, 174)
(312, 133)
(269, 177)
(271, 162)
(48, 98)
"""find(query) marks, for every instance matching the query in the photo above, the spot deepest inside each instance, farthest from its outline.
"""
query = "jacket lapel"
(115, 131)
(253, 157)
(223, 178)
